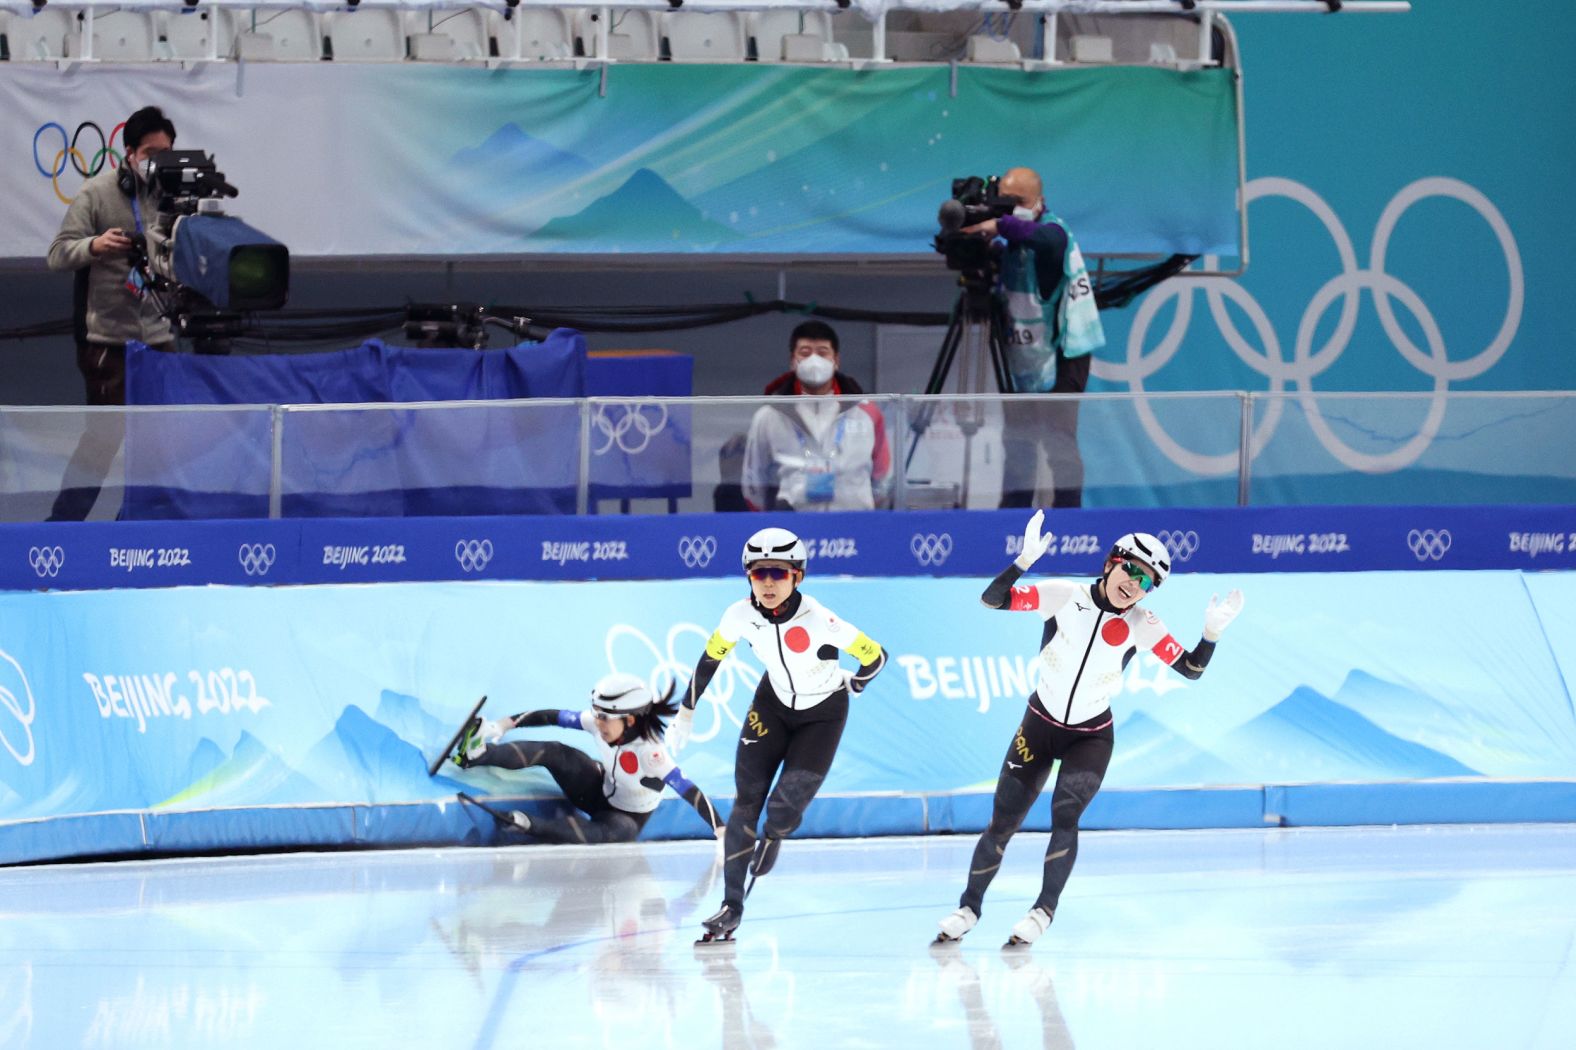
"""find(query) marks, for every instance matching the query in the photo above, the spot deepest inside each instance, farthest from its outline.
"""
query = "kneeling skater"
(617, 794)
(1091, 633)
(796, 719)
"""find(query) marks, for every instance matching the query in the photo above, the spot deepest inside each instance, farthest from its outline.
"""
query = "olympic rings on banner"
(633, 421)
(70, 155)
(17, 701)
(1266, 355)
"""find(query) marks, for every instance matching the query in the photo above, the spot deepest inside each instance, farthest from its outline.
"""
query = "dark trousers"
(579, 777)
(103, 368)
(799, 743)
(1035, 747)
(1029, 428)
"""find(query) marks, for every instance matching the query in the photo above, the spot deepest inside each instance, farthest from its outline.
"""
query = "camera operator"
(96, 240)
(1054, 327)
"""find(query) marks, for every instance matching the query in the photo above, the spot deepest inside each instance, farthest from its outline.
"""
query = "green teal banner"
(453, 161)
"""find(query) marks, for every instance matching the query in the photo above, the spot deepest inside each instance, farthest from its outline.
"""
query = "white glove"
(1219, 614)
(848, 681)
(1034, 545)
(678, 733)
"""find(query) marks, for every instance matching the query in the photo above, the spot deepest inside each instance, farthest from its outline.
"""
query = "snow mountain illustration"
(512, 160)
(644, 213)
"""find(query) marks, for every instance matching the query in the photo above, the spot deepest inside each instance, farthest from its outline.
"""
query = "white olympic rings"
(697, 551)
(1307, 363)
(678, 665)
(1428, 544)
(12, 704)
(47, 561)
(633, 420)
(473, 555)
(1182, 545)
(256, 558)
(930, 548)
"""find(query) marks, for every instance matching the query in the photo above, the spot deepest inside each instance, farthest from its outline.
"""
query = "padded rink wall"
(185, 718)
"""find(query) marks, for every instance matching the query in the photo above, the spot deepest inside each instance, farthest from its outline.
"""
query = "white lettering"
(341, 557)
(1277, 544)
(947, 677)
(563, 553)
(1535, 543)
(921, 683)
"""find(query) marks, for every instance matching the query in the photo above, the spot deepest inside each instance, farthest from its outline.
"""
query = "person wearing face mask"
(812, 450)
(95, 242)
(1055, 326)
(1092, 631)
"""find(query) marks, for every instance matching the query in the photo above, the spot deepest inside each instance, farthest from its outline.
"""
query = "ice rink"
(1426, 937)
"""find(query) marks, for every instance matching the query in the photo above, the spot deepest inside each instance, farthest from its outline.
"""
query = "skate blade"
(715, 941)
(1017, 942)
(943, 938)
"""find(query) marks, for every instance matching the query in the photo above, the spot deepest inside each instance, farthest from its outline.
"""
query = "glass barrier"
(102, 463)
(436, 458)
(1461, 447)
(667, 455)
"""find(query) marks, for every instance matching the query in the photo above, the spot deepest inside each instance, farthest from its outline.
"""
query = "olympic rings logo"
(1182, 545)
(473, 555)
(634, 421)
(1307, 361)
(71, 155)
(929, 548)
(1428, 544)
(697, 551)
(256, 558)
(14, 688)
(734, 677)
(47, 561)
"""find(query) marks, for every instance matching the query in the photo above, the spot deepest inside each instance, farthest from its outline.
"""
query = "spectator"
(811, 451)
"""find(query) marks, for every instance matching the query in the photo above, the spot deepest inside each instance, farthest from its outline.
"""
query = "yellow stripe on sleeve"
(863, 649)
(717, 646)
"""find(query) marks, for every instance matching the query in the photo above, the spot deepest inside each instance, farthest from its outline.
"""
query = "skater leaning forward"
(617, 794)
(1091, 632)
(796, 720)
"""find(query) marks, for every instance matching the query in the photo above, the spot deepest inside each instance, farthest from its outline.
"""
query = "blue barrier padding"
(97, 555)
(850, 816)
(1422, 802)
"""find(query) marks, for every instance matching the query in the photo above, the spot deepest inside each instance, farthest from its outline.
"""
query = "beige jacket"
(114, 314)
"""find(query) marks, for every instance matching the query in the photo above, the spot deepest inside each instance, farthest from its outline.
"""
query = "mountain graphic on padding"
(251, 775)
(645, 213)
(514, 161)
(410, 721)
(1473, 729)
(1309, 737)
(365, 760)
(1150, 754)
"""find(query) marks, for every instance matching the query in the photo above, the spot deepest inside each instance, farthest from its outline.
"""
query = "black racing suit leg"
(763, 743)
(1084, 762)
(1022, 778)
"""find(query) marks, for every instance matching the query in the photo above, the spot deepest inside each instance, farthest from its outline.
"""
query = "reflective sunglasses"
(1139, 574)
(770, 572)
(606, 716)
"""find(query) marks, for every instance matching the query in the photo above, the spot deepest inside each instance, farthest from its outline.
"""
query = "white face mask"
(1026, 214)
(814, 370)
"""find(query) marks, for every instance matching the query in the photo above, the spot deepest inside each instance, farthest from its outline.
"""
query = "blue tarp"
(217, 466)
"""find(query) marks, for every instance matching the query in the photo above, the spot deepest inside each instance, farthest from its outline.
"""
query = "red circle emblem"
(1115, 632)
(798, 639)
(629, 763)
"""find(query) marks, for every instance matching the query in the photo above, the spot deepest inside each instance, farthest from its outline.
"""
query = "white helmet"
(1147, 549)
(774, 544)
(621, 694)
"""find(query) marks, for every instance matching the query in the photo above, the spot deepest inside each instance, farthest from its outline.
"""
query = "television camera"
(203, 267)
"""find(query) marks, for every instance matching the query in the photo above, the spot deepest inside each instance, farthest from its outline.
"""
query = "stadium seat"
(1090, 50)
(367, 34)
(41, 36)
(699, 36)
(533, 34)
(289, 35)
(992, 50)
(187, 34)
(633, 35)
(770, 30)
(442, 35)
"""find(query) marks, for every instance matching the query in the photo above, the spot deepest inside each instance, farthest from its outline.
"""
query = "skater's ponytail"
(650, 724)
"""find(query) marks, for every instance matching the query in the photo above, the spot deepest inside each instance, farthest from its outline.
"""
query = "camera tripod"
(978, 329)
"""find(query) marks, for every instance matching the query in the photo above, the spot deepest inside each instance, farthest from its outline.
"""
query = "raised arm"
(998, 593)
(1217, 617)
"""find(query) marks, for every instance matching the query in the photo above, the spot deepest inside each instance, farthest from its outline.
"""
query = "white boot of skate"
(954, 926)
(1027, 930)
